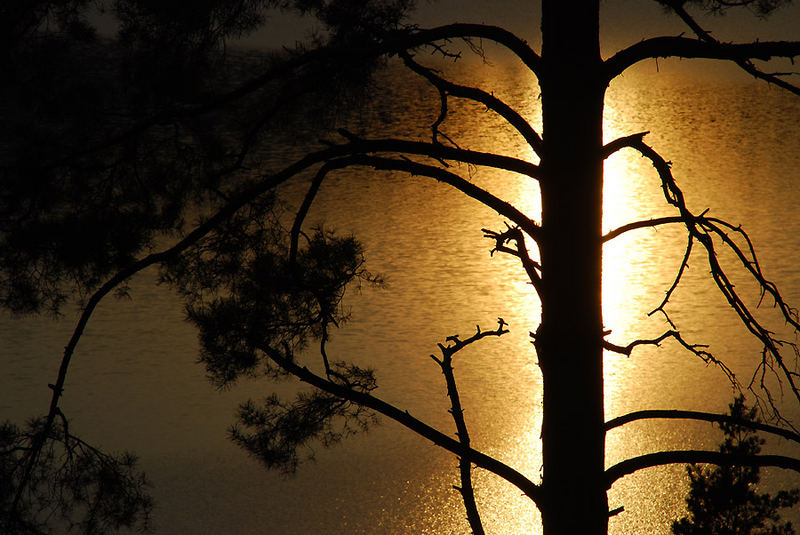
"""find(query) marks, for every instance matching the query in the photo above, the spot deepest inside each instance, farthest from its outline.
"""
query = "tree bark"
(569, 339)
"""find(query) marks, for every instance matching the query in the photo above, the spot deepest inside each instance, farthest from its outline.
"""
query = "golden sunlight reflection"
(638, 268)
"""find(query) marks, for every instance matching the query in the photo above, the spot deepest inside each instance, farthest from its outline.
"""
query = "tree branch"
(465, 467)
(745, 64)
(530, 489)
(442, 175)
(702, 416)
(532, 268)
(697, 349)
(403, 40)
(620, 143)
(662, 458)
(685, 47)
(684, 265)
(436, 151)
(701, 229)
(647, 223)
(753, 266)
(487, 99)
(308, 200)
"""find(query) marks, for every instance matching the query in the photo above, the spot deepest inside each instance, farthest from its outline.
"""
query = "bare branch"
(481, 460)
(304, 208)
(457, 344)
(487, 99)
(703, 416)
(684, 265)
(648, 223)
(701, 229)
(627, 350)
(662, 458)
(744, 63)
(532, 268)
(436, 151)
(435, 132)
(620, 143)
(465, 467)
(685, 47)
(751, 264)
(442, 175)
(697, 349)
(403, 40)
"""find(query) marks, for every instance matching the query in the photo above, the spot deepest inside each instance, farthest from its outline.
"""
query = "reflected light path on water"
(731, 160)
(720, 148)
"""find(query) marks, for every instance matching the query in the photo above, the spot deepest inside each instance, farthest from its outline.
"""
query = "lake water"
(134, 383)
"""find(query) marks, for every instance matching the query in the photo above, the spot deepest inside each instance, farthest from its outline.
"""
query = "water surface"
(134, 385)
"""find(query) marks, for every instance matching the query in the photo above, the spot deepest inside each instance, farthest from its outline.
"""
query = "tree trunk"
(569, 339)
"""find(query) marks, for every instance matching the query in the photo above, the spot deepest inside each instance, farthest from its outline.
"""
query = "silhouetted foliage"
(72, 483)
(107, 143)
(724, 500)
(111, 146)
(281, 434)
(243, 299)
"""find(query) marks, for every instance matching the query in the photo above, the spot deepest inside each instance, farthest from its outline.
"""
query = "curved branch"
(487, 99)
(532, 268)
(744, 64)
(435, 132)
(752, 265)
(702, 416)
(532, 490)
(685, 47)
(645, 223)
(621, 143)
(628, 349)
(681, 270)
(662, 458)
(302, 212)
(406, 41)
(502, 207)
(436, 151)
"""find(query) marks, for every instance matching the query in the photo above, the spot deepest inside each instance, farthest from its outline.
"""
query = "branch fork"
(515, 235)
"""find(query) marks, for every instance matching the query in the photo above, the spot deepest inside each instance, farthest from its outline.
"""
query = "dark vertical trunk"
(569, 339)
